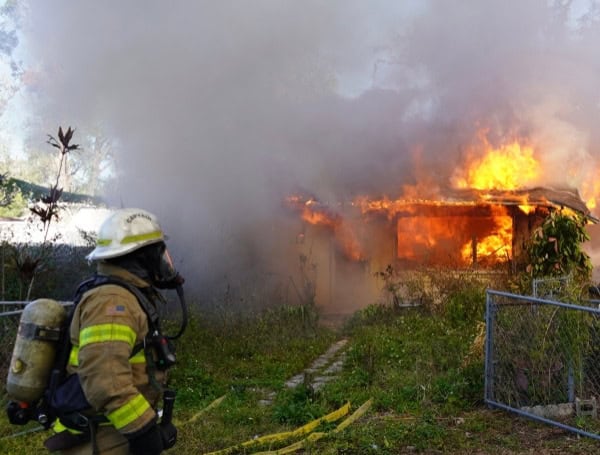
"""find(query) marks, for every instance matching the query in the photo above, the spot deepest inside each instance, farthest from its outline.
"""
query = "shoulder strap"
(64, 344)
(140, 295)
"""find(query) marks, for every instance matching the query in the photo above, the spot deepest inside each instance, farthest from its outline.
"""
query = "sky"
(218, 110)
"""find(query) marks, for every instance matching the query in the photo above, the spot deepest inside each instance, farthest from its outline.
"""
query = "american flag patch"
(116, 310)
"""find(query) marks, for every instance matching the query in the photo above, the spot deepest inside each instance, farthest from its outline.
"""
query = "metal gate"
(542, 360)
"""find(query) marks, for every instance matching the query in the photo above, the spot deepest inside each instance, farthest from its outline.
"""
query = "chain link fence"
(548, 288)
(543, 360)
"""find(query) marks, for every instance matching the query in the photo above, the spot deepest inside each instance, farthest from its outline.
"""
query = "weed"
(297, 406)
(465, 306)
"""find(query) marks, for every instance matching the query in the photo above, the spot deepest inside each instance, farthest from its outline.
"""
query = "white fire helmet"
(124, 231)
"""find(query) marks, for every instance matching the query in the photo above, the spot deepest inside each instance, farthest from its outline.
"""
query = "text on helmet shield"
(130, 218)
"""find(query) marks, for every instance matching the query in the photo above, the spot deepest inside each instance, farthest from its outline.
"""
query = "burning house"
(482, 223)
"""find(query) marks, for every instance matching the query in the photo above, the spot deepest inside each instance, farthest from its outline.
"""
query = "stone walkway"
(324, 369)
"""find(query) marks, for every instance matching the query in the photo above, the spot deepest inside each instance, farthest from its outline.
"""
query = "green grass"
(416, 364)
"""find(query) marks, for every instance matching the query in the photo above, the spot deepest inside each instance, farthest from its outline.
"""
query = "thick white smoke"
(222, 108)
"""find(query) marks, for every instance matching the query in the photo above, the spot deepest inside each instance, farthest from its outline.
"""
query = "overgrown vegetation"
(422, 367)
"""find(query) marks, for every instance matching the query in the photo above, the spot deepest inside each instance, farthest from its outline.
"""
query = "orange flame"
(591, 192)
(314, 213)
(509, 167)
(527, 209)
(497, 245)
(447, 235)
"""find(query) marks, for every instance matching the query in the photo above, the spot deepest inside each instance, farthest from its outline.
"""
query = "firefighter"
(109, 332)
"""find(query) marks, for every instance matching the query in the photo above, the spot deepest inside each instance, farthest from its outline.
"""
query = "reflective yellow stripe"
(130, 411)
(58, 427)
(142, 237)
(132, 238)
(74, 356)
(140, 357)
(106, 332)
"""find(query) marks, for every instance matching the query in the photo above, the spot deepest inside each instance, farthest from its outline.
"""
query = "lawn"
(418, 370)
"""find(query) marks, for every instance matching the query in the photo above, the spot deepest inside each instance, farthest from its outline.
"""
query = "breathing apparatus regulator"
(169, 278)
(44, 325)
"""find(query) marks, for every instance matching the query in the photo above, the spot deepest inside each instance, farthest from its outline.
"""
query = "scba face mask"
(163, 275)
(167, 277)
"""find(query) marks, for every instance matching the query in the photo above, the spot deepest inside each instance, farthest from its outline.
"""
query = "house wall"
(344, 284)
(524, 225)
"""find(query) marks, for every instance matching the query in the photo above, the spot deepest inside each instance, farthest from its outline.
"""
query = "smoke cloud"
(221, 109)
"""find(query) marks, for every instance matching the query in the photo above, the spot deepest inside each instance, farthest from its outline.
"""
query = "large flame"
(508, 167)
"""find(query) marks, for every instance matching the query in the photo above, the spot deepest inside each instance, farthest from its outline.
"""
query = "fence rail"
(543, 360)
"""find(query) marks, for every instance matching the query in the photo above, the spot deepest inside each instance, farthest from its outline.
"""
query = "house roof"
(545, 196)
(538, 196)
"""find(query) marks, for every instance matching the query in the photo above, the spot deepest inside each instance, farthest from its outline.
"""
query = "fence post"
(489, 341)
(571, 382)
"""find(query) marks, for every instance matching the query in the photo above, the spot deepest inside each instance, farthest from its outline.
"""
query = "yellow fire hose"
(279, 437)
(305, 429)
(196, 416)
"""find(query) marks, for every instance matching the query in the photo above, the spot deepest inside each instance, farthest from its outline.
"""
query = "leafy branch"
(556, 249)
(47, 207)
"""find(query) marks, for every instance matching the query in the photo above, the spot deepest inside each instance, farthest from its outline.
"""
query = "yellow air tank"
(35, 349)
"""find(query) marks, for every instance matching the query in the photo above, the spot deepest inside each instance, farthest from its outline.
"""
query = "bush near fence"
(61, 269)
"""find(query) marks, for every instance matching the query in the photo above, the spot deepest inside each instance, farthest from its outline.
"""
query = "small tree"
(555, 249)
(12, 201)
(47, 207)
